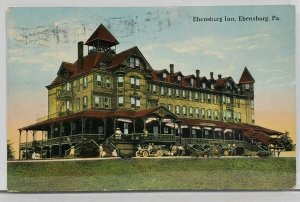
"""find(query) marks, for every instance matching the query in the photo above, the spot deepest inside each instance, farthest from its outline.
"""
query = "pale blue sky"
(39, 39)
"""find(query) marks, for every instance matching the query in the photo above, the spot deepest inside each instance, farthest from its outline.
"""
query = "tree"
(286, 141)
(10, 151)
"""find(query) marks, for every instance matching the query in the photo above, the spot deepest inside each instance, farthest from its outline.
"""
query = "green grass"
(154, 174)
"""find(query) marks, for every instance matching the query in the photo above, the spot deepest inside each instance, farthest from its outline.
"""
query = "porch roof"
(119, 113)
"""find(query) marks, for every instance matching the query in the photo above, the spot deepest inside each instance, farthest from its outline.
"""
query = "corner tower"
(246, 84)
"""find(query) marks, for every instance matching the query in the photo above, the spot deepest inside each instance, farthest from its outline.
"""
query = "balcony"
(64, 95)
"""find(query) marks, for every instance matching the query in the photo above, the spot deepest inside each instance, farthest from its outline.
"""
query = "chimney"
(197, 77)
(172, 72)
(220, 76)
(80, 55)
(211, 75)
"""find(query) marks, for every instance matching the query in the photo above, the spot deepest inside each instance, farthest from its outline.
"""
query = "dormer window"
(134, 62)
(178, 78)
(212, 86)
(203, 85)
(164, 75)
(192, 82)
(68, 86)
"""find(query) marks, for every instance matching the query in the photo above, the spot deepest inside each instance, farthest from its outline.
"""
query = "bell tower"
(101, 40)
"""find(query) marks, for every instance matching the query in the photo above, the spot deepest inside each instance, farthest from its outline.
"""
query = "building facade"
(105, 90)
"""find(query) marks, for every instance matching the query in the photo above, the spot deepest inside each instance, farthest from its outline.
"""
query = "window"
(203, 85)
(196, 96)
(120, 81)
(247, 86)
(68, 86)
(135, 83)
(229, 115)
(202, 97)
(155, 129)
(78, 84)
(85, 82)
(120, 101)
(223, 99)
(98, 80)
(166, 131)
(108, 82)
(212, 86)
(184, 110)
(197, 112)
(107, 102)
(97, 101)
(162, 90)
(252, 104)
(191, 110)
(228, 100)
(190, 95)
(208, 98)
(78, 104)
(177, 92)
(239, 117)
(169, 91)
(209, 113)
(68, 105)
(203, 113)
(177, 109)
(84, 102)
(135, 102)
(216, 98)
(216, 115)
(134, 62)
(154, 88)
(183, 93)
(164, 75)
(169, 107)
(224, 115)
(192, 82)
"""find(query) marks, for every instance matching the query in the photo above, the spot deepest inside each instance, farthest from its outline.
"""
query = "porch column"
(83, 121)
(213, 131)
(20, 132)
(174, 129)
(144, 122)
(50, 155)
(134, 135)
(104, 127)
(233, 133)
(71, 127)
(224, 135)
(179, 132)
(115, 124)
(160, 126)
(60, 138)
(190, 127)
(26, 144)
(91, 123)
(33, 135)
(51, 130)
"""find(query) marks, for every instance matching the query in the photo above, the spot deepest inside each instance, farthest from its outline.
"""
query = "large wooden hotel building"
(105, 90)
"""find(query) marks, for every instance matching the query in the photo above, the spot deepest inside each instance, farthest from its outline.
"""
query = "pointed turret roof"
(102, 34)
(246, 77)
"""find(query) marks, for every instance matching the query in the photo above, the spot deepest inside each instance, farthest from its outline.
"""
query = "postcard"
(151, 98)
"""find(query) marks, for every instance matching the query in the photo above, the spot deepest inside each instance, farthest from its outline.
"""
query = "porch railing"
(64, 140)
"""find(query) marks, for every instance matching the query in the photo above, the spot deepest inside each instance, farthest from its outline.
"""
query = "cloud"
(192, 45)
(218, 54)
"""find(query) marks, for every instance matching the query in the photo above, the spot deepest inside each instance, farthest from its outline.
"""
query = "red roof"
(101, 33)
(246, 77)
(221, 82)
(120, 57)
(89, 62)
